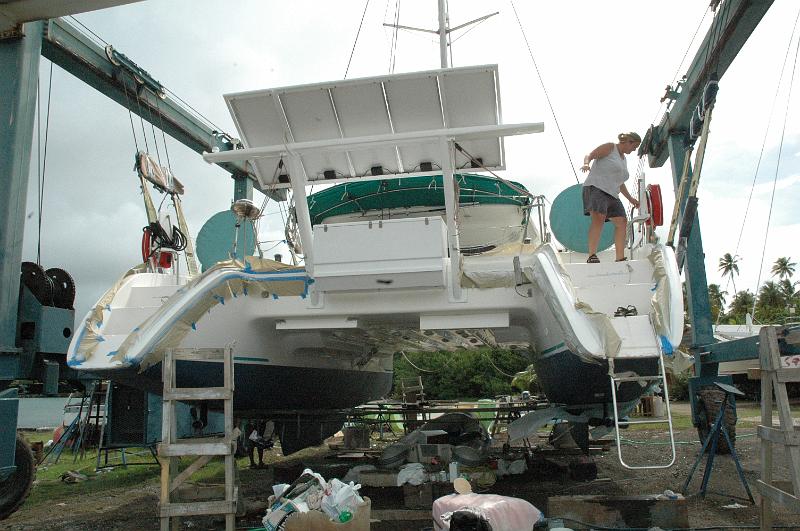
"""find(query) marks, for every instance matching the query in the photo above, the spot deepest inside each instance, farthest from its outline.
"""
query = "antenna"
(443, 30)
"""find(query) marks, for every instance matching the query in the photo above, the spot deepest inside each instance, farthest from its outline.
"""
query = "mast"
(443, 34)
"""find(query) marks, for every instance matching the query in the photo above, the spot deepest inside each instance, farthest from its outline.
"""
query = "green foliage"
(679, 386)
(462, 374)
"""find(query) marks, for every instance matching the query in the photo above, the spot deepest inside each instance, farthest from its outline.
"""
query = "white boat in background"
(411, 250)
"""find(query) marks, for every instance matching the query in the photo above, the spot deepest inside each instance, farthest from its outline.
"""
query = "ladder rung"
(198, 393)
(636, 378)
(223, 447)
(654, 421)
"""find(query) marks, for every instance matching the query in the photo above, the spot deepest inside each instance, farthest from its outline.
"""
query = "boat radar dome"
(245, 208)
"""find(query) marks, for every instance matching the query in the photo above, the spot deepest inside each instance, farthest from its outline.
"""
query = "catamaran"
(418, 244)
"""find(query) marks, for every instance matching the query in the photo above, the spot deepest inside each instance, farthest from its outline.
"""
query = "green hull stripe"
(551, 349)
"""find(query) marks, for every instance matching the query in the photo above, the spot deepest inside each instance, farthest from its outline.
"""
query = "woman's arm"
(597, 153)
(624, 191)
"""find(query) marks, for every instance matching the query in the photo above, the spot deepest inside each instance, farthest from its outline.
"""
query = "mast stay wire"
(777, 168)
(546, 95)
(358, 32)
(674, 79)
(766, 131)
(42, 163)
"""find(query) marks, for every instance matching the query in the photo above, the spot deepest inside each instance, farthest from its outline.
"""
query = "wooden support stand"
(773, 379)
(171, 448)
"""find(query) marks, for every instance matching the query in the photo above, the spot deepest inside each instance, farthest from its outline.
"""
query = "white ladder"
(628, 325)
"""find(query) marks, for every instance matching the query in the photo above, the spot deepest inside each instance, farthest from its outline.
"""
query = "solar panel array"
(358, 108)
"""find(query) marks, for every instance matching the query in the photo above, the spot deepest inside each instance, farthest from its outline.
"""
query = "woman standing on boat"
(601, 191)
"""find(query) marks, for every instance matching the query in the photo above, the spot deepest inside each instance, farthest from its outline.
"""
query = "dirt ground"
(135, 508)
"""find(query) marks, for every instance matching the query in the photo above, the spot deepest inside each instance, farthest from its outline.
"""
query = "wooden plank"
(199, 463)
(198, 508)
(391, 515)
(199, 354)
(198, 393)
(754, 374)
(788, 375)
(779, 435)
(203, 448)
(777, 495)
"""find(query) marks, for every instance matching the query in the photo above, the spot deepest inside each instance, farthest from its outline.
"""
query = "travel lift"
(24, 37)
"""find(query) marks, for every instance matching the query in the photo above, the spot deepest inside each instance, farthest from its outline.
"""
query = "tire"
(709, 401)
(17, 486)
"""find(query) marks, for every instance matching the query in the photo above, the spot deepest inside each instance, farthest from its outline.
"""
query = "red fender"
(145, 245)
(655, 205)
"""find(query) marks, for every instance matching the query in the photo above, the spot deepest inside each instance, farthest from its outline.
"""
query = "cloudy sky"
(605, 65)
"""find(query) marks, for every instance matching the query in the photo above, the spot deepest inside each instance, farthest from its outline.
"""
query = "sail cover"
(400, 105)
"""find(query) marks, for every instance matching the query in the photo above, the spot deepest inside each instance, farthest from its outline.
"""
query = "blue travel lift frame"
(671, 139)
(119, 78)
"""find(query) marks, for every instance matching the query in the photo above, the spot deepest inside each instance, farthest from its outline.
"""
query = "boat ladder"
(629, 352)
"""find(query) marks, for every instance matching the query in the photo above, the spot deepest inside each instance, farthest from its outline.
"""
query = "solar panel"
(371, 107)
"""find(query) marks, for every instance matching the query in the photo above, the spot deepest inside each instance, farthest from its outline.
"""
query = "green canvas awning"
(407, 192)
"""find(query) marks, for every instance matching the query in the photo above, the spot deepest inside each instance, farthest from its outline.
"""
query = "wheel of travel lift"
(36, 280)
(709, 401)
(63, 287)
(17, 486)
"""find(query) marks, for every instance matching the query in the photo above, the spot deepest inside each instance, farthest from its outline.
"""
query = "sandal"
(631, 310)
(623, 259)
(593, 259)
(621, 312)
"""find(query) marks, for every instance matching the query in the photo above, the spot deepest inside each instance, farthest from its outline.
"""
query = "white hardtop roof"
(343, 129)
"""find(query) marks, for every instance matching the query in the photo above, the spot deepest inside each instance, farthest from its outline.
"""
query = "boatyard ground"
(122, 499)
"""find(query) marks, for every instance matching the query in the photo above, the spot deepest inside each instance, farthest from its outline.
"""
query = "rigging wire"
(680, 65)
(44, 166)
(764, 142)
(364, 14)
(546, 95)
(393, 50)
(412, 364)
(777, 168)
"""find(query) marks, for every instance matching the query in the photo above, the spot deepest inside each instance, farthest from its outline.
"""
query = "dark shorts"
(596, 200)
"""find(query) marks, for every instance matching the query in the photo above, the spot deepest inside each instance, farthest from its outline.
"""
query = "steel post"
(19, 65)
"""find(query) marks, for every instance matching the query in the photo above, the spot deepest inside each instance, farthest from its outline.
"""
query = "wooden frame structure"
(773, 379)
(172, 448)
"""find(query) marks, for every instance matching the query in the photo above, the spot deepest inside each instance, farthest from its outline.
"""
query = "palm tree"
(771, 302)
(783, 267)
(729, 267)
(741, 304)
(787, 288)
(717, 299)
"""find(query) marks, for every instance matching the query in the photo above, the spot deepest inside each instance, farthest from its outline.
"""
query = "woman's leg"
(620, 227)
(595, 229)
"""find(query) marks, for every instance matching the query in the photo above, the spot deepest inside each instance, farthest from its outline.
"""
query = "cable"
(486, 355)
(777, 168)
(764, 143)
(412, 364)
(44, 165)
(356, 40)
(546, 95)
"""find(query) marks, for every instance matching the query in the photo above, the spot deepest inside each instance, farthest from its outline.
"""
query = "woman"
(601, 190)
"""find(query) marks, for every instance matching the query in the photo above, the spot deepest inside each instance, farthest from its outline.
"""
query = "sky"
(604, 64)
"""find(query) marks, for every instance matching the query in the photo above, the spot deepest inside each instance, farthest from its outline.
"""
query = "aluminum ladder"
(649, 352)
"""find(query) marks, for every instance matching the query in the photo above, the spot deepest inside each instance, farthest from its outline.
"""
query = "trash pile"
(310, 493)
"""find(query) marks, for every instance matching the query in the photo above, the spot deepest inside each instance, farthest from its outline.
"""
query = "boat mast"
(443, 30)
(443, 34)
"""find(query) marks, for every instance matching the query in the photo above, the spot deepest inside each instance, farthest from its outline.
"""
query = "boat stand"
(710, 444)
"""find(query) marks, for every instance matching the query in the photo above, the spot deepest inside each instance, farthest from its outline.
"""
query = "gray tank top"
(608, 173)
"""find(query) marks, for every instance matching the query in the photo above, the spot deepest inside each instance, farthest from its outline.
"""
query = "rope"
(546, 95)
(412, 364)
(777, 168)
(366, 5)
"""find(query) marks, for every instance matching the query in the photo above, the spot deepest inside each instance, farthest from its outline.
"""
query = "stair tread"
(638, 338)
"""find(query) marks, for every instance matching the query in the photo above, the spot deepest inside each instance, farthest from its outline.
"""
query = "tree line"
(777, 300)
